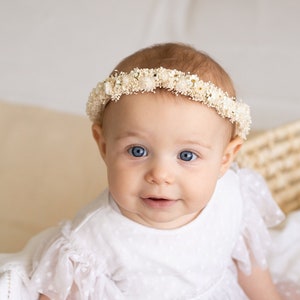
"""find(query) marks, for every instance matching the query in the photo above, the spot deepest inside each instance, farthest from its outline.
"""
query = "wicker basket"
(275, 154)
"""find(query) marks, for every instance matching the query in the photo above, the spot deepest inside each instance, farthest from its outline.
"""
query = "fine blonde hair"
(181, 57)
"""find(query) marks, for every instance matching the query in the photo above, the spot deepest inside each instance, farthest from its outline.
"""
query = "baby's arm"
(258, 285)
(43, 297)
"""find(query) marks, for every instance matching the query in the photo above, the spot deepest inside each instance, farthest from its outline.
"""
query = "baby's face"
(163, 156)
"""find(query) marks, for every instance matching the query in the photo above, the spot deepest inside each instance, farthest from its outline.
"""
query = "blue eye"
(187, 156)
(137, 151)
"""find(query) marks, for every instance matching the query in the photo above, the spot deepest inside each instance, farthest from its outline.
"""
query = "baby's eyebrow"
(189, 142)
(128, 134)
(196, 143)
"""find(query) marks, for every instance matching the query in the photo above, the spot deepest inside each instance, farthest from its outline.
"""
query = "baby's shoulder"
(84, 235)
(91, 212)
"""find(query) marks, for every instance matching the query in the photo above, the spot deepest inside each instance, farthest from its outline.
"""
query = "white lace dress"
(104, 255)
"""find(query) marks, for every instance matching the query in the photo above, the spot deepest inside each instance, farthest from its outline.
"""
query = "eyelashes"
(137, 151)
(140, 151)
(187, 155)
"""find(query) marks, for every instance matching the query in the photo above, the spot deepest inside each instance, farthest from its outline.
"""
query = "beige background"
(49, 168)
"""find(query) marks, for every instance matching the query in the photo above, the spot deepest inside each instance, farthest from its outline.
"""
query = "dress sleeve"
(67, 270)
(15, 268)
(260, 212)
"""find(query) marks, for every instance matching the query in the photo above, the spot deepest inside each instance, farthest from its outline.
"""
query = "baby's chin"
(160, 220)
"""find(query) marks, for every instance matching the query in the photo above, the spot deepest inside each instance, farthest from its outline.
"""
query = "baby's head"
(167, 126)
(178, 57)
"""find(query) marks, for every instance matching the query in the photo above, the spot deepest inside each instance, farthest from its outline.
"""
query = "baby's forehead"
(162, 103)
(164, 116)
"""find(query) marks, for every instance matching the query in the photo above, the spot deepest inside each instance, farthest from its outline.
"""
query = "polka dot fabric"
(103, 255)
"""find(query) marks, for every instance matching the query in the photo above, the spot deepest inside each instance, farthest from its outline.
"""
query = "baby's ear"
(99, 138)
(230, 153)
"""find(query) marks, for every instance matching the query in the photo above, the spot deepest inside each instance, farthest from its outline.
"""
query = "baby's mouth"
(158, 202)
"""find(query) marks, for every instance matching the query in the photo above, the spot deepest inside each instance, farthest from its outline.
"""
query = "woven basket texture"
(275, 154)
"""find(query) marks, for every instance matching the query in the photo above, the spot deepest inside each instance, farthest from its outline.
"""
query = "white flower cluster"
(177, 82)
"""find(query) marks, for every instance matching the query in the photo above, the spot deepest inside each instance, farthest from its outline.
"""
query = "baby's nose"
(159, 173)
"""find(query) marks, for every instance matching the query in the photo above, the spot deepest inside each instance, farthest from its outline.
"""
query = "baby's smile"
(158, 202)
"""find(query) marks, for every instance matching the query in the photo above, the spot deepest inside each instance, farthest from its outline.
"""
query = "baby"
(176, 222)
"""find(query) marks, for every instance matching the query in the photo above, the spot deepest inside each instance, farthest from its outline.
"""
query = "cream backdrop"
(53, 52)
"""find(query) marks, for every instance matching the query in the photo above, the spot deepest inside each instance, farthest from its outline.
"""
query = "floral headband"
(177, 82)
